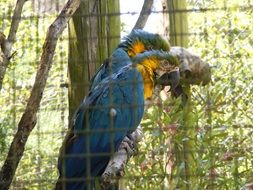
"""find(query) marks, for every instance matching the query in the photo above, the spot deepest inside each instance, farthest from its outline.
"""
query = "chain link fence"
(217, 147)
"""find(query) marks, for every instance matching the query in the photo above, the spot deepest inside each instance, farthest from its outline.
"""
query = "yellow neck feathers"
(147, 68)
(137, 48)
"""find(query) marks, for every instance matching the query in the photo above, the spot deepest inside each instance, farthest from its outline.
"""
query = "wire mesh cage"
(199, 140)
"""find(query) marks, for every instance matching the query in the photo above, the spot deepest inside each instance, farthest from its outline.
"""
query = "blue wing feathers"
(96, 132)
(118, 60)
(116, 85)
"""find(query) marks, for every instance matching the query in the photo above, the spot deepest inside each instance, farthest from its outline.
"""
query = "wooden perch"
(115, 167)
(29, 119)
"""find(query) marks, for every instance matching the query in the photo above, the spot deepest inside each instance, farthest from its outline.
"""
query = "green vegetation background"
(220, 31)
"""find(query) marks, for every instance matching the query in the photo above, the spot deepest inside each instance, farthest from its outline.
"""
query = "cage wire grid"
(219, 31)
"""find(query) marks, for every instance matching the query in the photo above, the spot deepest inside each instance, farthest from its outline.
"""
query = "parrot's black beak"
(171, 79)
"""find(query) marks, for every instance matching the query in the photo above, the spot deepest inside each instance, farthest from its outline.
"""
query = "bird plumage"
(153, 63)
(95, 130)
(117, 60)
(138, 41)
(113, 109)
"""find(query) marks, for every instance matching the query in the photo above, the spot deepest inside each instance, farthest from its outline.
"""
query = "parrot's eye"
(164, 64)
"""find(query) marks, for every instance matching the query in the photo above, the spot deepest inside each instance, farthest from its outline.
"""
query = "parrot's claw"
(129, 145)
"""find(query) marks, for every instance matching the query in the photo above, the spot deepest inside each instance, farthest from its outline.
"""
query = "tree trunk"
(178, 22)
(29, 117)
(94, 32)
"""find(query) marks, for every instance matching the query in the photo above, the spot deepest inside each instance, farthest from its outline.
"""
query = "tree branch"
(6, 44)
(14, 26)
(144, 14)
(29, 119)
(3, 59)
(114, 169)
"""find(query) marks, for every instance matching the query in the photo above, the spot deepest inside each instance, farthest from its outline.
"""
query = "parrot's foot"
(129, 145)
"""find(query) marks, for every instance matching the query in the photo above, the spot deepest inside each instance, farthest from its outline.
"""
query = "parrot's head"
(153, 65)
(139, 41)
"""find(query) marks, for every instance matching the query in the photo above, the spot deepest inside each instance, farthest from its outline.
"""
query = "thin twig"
(29, 119)
(6, 44)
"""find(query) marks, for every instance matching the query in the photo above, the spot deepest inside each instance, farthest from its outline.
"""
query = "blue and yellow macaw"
(111, 111)
(138, 41)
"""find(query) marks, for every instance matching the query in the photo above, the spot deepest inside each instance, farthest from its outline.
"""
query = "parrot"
(111, 111)
(138, 41)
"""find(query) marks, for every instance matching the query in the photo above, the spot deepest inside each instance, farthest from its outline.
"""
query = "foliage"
(220, 31)
(221, 112)
(226, 43)
(38, 165)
